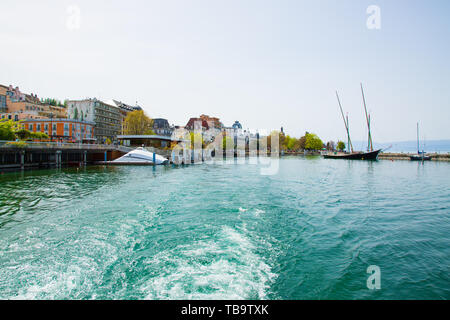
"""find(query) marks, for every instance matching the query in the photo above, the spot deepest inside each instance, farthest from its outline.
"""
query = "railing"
(54, 145)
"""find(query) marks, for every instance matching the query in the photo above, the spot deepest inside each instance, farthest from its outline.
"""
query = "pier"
(53, 154)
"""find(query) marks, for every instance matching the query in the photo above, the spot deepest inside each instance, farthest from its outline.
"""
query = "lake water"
(227, 232)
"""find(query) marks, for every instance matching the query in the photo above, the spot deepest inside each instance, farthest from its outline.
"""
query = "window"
(38, 127)
(30, 127)
(2, 102)
(66, 126)
(54, 127)
(46, 127)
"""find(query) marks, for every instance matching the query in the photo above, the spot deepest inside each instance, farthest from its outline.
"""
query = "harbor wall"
(14, 158)
(405, 156)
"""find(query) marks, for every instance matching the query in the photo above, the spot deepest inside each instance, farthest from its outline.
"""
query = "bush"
(17, 144)
(38, 135)
(7, 130)
(23, 134)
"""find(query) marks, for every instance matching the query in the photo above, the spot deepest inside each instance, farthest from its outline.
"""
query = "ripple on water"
(226, 232)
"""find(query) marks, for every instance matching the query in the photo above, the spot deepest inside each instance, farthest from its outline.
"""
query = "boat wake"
(224, 268)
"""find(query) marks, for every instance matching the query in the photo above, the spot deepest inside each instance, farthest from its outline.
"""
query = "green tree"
(23, 134)
(340, 146)
(137, 122)
(7, 130)
(291, 143)
(302, 142)
(313, 142)
(52, 102)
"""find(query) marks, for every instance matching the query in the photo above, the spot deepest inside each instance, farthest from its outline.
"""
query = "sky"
(267, 64)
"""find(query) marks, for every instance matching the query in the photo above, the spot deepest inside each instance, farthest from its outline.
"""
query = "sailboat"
(371, 154)
(420, 156)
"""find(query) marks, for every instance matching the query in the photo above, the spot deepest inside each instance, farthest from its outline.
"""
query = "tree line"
(309, 141)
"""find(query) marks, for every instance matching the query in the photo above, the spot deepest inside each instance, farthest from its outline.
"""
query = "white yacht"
(141, 156)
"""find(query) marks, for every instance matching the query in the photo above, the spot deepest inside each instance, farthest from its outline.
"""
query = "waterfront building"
(16, 105)
(209, 126)
(196, 123)
(3, 108)
(206, 122)
(162, 127)
(155, 141)
(106, 116)
(124, 109)
(67, 130)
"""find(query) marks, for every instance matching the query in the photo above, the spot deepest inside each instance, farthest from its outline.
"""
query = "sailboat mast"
(370, 143)
(349, 141)
(418, 147)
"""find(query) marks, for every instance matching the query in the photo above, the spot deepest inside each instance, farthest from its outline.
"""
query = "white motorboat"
(141, 156)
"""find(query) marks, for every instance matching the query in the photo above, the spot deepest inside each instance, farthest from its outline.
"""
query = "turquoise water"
(227, 232)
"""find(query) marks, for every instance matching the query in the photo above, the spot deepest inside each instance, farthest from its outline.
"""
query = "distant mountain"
(430, 146)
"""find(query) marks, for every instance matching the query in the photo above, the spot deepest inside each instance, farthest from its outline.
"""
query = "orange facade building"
(67, 130)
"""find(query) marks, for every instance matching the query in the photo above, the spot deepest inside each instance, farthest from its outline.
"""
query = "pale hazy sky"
(265, 63)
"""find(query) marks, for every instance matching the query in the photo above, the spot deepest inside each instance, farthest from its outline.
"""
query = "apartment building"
(15, 105)
(106, 117)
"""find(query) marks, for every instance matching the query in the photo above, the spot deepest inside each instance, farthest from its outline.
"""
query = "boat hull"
(419, 158)
(373, 156)
(140, 156)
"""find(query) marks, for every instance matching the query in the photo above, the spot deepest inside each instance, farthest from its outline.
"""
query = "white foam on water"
(242, 210)
(60, 272)
(51, 285)
(258, 212)
(223, 268)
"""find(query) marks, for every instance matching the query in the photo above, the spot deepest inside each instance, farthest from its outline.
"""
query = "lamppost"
(51, 125)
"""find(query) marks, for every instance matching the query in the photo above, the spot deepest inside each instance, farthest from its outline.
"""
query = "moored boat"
(371, 154)
(141, 156)
(420, 156)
